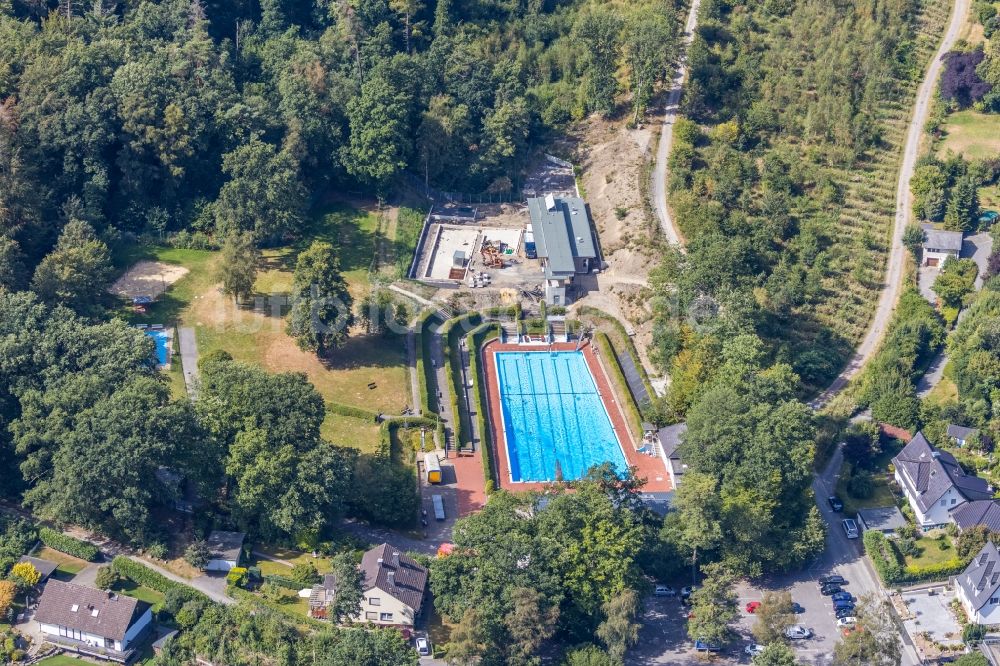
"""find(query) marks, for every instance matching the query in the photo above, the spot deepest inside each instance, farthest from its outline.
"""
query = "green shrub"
(305, 573)
(107, 578)
(283, 581)
(884, 557)
(238, 577)
(973, 632)
(67, 544)
(143, 575)
(860, 485)
(353, 412)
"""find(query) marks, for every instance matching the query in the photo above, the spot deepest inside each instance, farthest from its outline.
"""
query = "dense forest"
(152, 117)
(782, 178)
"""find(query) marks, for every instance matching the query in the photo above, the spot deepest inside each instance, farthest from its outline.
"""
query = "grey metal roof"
(928, 473)
(394, 573)
(882, 518)
(979, 512)
(938, 239)
(561, 232)
(670, 438)
(85, 609)
(225, 545)
(981, 579)
(961, 432)
(43, 567)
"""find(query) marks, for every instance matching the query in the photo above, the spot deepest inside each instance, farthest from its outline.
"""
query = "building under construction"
(564, 243)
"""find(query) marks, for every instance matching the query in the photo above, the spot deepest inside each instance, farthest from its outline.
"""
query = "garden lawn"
(142, 593)
(361, 434)
(255, 333)
(973, 134)
(930, 550)
(62, 660)
(322, 563)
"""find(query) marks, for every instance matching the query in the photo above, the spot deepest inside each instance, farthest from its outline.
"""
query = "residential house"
(394, 586)
(979, 512)
(226, 549)
(97, 623)
(322, 596)
(939, 245)
(564, 243)
(978, 587)
(934, 483)
(884, 519)
(670, 441)
(962, 436)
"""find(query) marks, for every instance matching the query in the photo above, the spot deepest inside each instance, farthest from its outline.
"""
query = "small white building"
(226, 549)
(394, 586)
(934, 483)
(978, 587)
(98, 623)
(939, 245)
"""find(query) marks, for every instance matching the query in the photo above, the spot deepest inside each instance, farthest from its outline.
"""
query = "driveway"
(978, 248)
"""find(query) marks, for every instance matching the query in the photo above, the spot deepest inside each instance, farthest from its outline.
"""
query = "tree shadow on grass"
(367, 351)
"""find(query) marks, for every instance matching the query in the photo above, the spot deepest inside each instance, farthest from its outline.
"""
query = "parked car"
(832, 579)
(835, 503)
(798, 632)
(850, 528)
(664, 591)
(839, 605)
(830, 590)
(844, 612)
(754, 649)
(752, 606)
(842, 596)
(702, 646)
(687, 590)
(846, 622)
(423, 646)
(797, 608)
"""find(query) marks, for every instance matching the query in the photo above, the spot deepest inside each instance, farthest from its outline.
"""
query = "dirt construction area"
(147, 278)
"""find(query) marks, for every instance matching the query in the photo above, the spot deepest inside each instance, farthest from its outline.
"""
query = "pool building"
(564, 243)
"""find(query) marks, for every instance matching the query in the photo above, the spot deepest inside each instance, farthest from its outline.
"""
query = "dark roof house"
(90, 611)
(927, 473)
(396, 574)
(225, 545)
(981, 579)
(885, 519)
(561, 227)
(961, 432)
(979, 512)
(938, 240)
(670, 441)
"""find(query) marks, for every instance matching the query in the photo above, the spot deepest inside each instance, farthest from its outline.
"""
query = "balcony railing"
(79, 647)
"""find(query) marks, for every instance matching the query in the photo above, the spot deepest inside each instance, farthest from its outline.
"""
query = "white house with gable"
(978, 587)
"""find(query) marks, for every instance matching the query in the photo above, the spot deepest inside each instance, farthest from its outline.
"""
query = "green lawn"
(142, 593)
(256, 333)
(973, 134)
(62, 660)
(361, 434)
(930, 550)
(322, 563)
(69, 566)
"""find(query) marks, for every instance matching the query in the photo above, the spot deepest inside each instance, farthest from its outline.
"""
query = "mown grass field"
(69, 566)
(255, 333)
(973, 134)
(934, 548)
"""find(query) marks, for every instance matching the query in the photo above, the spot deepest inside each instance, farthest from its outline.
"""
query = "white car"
(851, 528)
(754, 649)
(798, 632)
(664, 591)
(846, 622)
(423, 646)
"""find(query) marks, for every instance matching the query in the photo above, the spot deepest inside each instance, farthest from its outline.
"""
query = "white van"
(851, 528)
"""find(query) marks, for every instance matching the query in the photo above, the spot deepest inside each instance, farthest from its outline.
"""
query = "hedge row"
(143, 575)
(284, 582)
(891, 566)
(67, 544)
(452, 332)
(388, 425)
(474, 341)
(611, 361)
(625, 341)
(352, 412)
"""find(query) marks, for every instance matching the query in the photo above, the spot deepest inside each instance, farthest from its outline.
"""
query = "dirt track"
(897, 257)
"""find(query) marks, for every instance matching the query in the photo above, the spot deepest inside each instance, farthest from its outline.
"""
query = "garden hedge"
(350, 411)
(143, 575)
(611, 362)
(474, 341)
(284, 582)
(67, 544)
(425, 372)
(625, 341)
(891, 566)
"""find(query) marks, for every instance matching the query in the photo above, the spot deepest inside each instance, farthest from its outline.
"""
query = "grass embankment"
(256, 334)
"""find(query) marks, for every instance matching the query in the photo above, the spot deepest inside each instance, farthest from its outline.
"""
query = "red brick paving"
(469, 482)
(648, 467)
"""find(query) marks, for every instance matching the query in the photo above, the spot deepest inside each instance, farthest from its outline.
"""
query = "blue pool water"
(162, 340)
(552, 412)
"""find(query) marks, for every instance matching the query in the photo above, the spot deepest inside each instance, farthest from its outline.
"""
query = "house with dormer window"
(934, 483)
(393, 585)
(978, 587)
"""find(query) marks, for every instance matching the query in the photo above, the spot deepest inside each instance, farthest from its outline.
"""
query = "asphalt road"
(670, 229)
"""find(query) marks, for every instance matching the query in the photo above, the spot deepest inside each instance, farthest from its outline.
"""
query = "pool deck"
(648, 467)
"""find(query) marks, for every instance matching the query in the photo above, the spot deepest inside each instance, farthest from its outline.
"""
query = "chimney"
(395, 558)
(392, 579)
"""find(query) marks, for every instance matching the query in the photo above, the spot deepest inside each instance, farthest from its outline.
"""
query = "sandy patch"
(147, 278)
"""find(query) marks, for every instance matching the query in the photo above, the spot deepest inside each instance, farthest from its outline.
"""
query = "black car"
(845, 612)
(835, 503)
(830, 590)
(797, 608)
(832, 580)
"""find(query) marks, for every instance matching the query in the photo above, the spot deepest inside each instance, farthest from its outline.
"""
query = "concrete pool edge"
(647, 467)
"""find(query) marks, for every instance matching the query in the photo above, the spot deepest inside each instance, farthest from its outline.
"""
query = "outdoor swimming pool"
(553, 416)
(162, 339)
